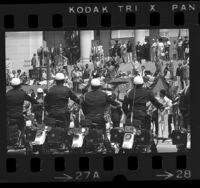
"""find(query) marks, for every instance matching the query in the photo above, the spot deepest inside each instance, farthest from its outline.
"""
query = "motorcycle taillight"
(128, 136)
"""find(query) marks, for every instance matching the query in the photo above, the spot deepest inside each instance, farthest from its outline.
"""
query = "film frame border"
(192, 22)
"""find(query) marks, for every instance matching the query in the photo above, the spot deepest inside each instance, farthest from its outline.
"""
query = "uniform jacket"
(95, 102)
(142, 96)
(57, 98)
(15, 100)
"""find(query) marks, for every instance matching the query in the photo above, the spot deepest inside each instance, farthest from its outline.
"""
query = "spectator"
(111, 70)
(34, 62)
(32, 93)
(97, 63)
(13, 74)
(163, 116)
(186, 71)
(44, 75)
(185, 43)
(167, 47)
(138, 49)
(117, 61)
(179, 76)
(143, 71)
(161, 53)
(174, 50)
(180, 49)
(24, 78)
(86, 72)
(129, 52)
(76, 78)
(186, 52)
(65, 65)
(146, 51)
(117, 48)
(18, 73)
(123, 52)
(167, 74)
(154, 50)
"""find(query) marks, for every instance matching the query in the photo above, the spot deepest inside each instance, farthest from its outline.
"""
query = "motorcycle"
(14, 136)
(94, 138)
(35, 135)
(57, 138)
(180, 136)
(132, 138)
(77, 139)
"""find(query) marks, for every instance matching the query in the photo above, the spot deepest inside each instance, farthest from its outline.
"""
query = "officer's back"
(58, 95)
(15, 98)
(141, 96)
(95, 101)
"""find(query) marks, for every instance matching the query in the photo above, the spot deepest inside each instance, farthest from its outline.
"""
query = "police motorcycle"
(56, 138)
(86, 136)
(76, 132)
(133, 137)
(180, 136)
(95, 134)
(94, 137)
(16, 138)
(36, 133)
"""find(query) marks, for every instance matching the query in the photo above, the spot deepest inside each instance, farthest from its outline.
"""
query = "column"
(139, 35)
(86, 38)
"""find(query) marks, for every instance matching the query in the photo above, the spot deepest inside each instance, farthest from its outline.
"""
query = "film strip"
(159, 34)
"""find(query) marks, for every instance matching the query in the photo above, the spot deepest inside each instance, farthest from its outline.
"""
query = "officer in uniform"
(14, 103)
(56, 100)
(94, 107)
(15, 100)
(141, 96)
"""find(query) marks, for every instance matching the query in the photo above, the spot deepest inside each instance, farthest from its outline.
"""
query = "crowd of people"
(156, 110)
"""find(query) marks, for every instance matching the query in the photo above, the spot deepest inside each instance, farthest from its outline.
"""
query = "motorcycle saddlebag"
(117, 135)
(93, 137)
(13, 135)
(179, 137)
(30, 134)
(143, 138)
(57, 135)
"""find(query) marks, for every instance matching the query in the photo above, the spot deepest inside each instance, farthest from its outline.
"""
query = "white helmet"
(15, 82)
(95, 82)
(138, 80)
(40, 90)
(60, 76)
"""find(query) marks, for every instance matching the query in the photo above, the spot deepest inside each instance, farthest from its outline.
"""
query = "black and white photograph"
(98, 91)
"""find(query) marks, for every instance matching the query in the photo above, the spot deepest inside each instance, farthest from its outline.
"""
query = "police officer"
(15, 100)
(56, 100)
(94, 106)
(14, 103)
(140, 96)
(184, 106)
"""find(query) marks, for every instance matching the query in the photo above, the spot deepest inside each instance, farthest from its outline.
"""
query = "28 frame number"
(180, 174)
